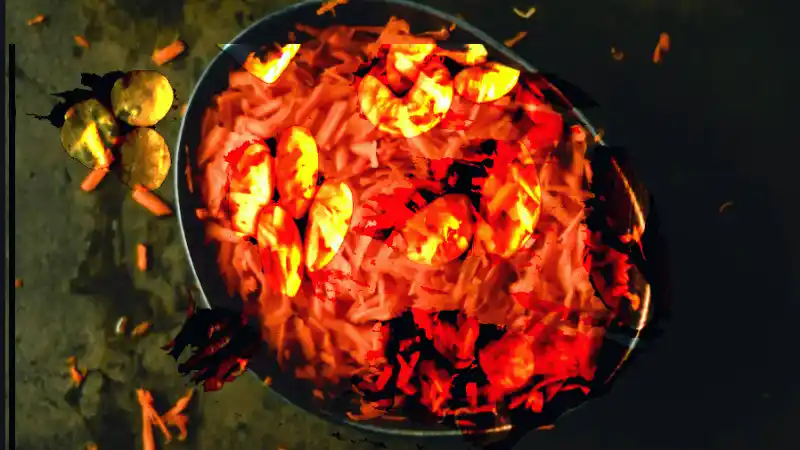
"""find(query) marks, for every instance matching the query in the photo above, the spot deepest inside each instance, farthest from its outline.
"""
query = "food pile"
(407, 220)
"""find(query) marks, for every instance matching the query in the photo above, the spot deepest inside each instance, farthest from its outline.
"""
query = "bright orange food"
(391, 188)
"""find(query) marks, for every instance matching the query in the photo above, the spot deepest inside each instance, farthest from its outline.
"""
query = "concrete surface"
(691, 120)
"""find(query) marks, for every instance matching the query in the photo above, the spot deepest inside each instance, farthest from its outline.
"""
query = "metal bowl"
(616, 186)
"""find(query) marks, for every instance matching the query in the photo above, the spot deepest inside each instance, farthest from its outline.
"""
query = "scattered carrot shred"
(140, 329)
(527, 14)
(177, 418)
(635, 301)
(81, 41)
(91, 446)
(76, 374)
(725, 206)
(183, 109)
(18, 283)
(37, 20)
(546, 427)
(515, 40)
(166, 54)
(149, 418)
(328, 6)
(150, 201)
(141, 257)
(268, 381)
(616, 54)
(661, 48)
(93, 179)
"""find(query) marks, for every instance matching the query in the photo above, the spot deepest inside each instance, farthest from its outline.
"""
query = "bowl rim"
(202, 300)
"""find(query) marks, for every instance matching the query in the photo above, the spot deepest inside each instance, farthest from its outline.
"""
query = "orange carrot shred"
(148, 441)
(37, 20)
(329, 6)
(91, 446)
(149, 418)
(150, 201)
(141, 257)
(18, 283)
(175, 416)
(81, 41)
(616, 54)
(514, 40)
(166, 54)
(546, 427)
(724, 206)
(75, 374)
(268, 381)
(140, 329)
(93, 179)
(662, 47)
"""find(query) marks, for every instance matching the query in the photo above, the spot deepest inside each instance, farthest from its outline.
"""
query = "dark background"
(709, 125)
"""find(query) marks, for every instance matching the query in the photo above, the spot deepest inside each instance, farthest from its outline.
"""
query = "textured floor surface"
(706, 128)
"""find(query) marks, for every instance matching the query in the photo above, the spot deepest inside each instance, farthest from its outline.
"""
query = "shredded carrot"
(515, 40)
(725, 206)
(317, 338)
(140, 329)
(77, 375)
(150, 201)
(267, 381)
(36, 20)
(150, 417)
(527, 14)
(166, 54)
(616, 54)
(546, 427)
(18, 283)
(91, 446)
(329, 5)
(141, 257)
(93, 179)
(177, 418)
(661, 48)
(81, 41)
(635, 301)
(183, 109)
